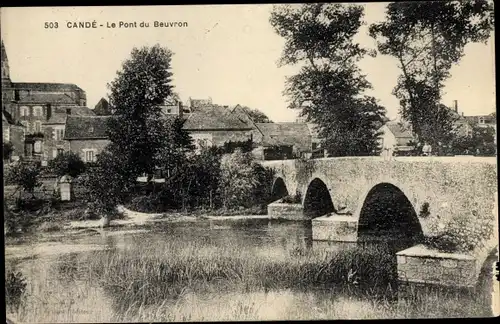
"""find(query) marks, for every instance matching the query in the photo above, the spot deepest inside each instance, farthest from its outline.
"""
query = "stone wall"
(219, 137)
(455, 188)
(77, 146)
(286, 211)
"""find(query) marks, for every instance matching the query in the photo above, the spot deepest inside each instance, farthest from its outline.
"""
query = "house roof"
(86, 127)
(214, 117)
(59, 114)
(102, 107)
(399, 130)
(283, 133)
(475, 119)
(54, 98)
(43, 86)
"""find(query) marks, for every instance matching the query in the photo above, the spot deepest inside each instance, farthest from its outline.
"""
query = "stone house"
(395, 136)
(483, 120)
(293, 139)
(54, 128)
(214, 125)
(13, 133)
(86, 135)
(33, 104)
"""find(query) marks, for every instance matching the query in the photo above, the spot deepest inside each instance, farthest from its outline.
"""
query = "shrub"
(292, 199)
(15, 286)
(68, 163)
(25, 175)
(8, 148)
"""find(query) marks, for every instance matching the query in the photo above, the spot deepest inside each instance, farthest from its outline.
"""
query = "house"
(13, 133)
(33, 104)
(54, 129)
(86, 135)
(395, 137)
(102, 108)
(214, 125)
(291, 138)
(483, 120)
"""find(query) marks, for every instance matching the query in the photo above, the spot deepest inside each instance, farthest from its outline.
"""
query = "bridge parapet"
(449, 194)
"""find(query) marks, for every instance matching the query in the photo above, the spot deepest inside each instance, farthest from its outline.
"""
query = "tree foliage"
(481, 141)
(68, 163)
(256, 115)
(242, 181)
(25, 175)
(137, 131)
(8, 148)
(427, 39)
(320, 37)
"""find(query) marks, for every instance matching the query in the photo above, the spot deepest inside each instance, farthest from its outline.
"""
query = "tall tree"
(138, 132)
(427, 38)
(320, 37)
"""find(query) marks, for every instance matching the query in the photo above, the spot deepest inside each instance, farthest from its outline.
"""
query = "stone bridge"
(411, 200)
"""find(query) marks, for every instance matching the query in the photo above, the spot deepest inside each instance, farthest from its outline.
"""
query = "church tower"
(5, 67)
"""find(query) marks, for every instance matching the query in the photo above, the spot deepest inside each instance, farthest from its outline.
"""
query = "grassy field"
(197, 281)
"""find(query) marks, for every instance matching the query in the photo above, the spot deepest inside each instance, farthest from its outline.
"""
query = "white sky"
(227, 52)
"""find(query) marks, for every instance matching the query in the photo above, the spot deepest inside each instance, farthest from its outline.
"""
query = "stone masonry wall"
(460, 191)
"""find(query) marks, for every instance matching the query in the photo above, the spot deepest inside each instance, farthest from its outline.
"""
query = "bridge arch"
(278, 189)
(317, 200)
(386, 214)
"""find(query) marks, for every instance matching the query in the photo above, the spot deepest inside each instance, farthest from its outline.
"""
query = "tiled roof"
(102, 108)
(46, 86)
(59, 114)
(399, 130)
(215, 117)
(54, 98)
(86, 127)
(283, 133)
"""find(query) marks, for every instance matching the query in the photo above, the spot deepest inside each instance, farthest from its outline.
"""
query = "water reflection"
(270, 240)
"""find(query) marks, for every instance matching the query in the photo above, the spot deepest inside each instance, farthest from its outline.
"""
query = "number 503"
(51, 24)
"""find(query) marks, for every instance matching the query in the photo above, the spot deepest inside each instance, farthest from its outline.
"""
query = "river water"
(62, 286)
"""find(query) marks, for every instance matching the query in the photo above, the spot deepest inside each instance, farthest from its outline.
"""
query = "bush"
(8, 148)
(15, 286)
(68, 163)
(25, 175)
(292, 199)
(243, 182)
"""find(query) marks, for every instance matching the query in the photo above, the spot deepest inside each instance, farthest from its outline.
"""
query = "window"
(314, 146)
(38, 147)
(25, 111)
(38, 126)
(59, 134)
(38, 111)
(6, 134)
(481, 120)
(89, 155)
(169, 111)
(60, 151)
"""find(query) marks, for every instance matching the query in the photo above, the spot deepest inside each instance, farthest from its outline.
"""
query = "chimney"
(455, 105)
(68, 111)
(179, 104)
(49, 111)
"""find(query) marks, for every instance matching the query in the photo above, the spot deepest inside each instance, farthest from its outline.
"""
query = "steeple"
(5, 67)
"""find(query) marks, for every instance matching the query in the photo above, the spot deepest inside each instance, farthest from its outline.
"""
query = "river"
(253, 269)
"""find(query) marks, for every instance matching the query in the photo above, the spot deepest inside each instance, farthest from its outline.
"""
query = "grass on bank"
(179, 281)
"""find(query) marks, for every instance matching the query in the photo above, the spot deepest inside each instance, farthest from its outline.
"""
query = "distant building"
(293, 138)
(214, 125)
(396, 137)
(86, 135)
(489, 120)
(13, 133)
(102, 108)
(34, 104)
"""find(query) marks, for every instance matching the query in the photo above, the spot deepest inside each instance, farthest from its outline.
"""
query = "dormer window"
(91, 129)
(481, 120)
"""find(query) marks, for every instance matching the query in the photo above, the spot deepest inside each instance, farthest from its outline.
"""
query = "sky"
(226, 52)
